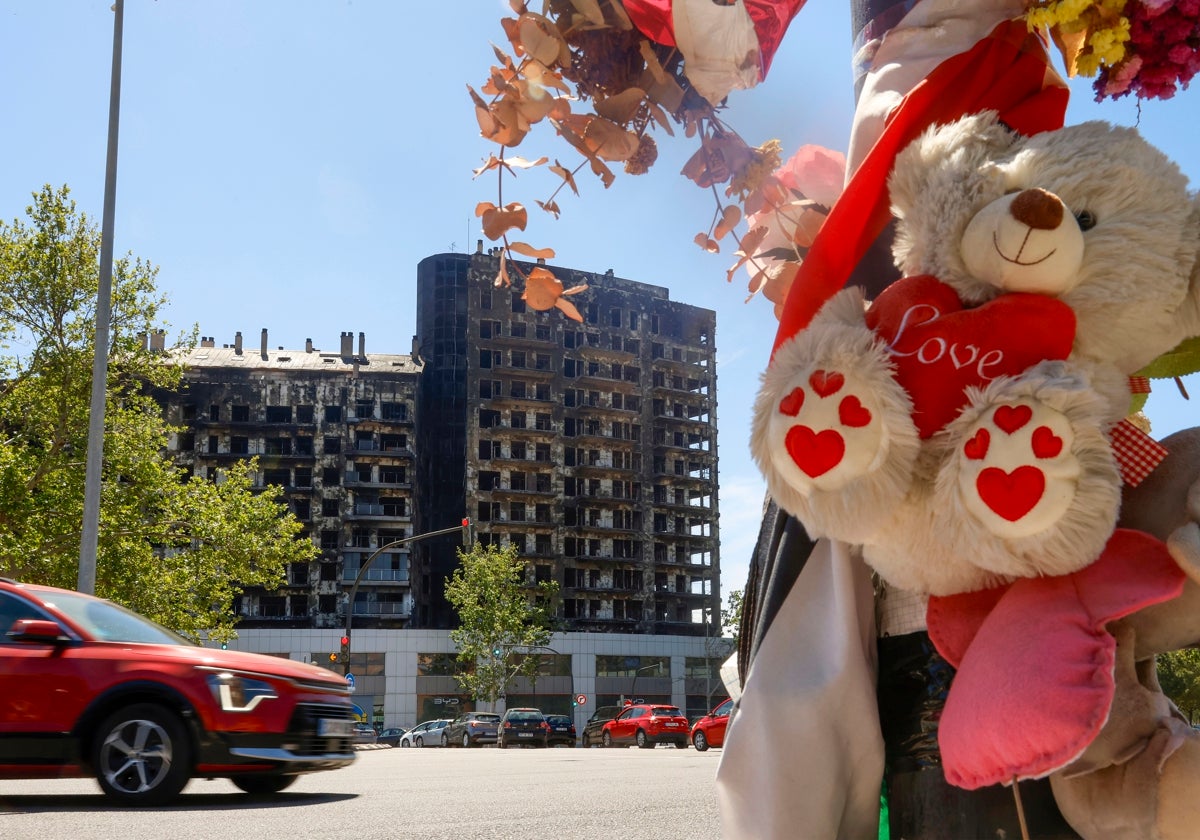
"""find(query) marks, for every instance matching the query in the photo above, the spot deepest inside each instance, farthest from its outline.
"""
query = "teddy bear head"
(1090, 214)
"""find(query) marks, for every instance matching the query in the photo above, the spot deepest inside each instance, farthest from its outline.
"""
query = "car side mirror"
(38, 630)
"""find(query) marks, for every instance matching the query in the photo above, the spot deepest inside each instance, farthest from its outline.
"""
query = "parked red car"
(709, 731)
(647, 725)
(90, 688)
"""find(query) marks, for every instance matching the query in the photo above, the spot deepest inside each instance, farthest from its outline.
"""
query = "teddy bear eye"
(1086, 219)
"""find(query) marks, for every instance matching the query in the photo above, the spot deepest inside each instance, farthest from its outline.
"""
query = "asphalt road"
(429, 794)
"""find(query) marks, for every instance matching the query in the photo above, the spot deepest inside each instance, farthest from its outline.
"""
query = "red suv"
(647, 725)
(89, 688)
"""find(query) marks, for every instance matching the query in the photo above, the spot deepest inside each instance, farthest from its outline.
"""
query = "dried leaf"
(550, 207)
(531, 252)
(623, 22)
(730, 218)
(569, 310)
(492, 162)
(653, 65)
(522, 163)
(708, 244)
(1070, 44)
(498, 221)
(564, 173)
(752, 239)
(517, 6)
(574, 290)
(540, 39)
(590, 9)
(666, 92)
(502, 278)
(622, 107)
(600, 137)
(660, 117)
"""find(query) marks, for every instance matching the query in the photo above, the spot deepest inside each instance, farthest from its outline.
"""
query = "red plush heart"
(826, 383)
(853, 413)
(792, 403)
(941, 349)
(1046, 444)
(1010, 418)
(1011, 495)
(976, 448)
(816, 454)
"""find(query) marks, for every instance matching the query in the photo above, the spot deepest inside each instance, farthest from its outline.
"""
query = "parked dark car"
(595, 724)
(523, 728)
(647, 725)
(89, 688)
(391, 736)
(471, 730)
(562, 730)
(709, 731)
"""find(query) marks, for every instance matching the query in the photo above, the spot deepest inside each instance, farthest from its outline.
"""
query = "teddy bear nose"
(1037, 208)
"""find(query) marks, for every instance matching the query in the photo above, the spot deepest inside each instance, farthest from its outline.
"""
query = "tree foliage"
(731, 616)
(174, 548)
(501, 619)
(1179, 676)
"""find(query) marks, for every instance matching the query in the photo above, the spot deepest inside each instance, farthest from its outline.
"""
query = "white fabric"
(803, 756)
(719, 46)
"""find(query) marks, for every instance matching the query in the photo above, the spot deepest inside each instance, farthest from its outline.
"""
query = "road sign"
(350, 679)
(581, 699)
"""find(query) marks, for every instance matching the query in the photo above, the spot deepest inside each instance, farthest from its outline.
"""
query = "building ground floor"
(405, 677)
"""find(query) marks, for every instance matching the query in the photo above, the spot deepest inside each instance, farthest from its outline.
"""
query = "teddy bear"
(969, 430)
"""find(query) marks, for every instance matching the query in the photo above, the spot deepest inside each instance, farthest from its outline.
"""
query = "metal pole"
(95, 446)
(366, 565)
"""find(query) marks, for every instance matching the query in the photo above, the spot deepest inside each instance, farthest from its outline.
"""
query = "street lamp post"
(633, 688)
(464, 529)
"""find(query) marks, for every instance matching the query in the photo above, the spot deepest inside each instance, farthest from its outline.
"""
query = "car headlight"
(235, 693)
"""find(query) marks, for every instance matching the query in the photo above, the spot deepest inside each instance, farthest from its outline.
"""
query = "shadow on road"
(98, 804)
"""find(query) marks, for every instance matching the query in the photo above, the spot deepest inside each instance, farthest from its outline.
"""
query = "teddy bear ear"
(957, 149)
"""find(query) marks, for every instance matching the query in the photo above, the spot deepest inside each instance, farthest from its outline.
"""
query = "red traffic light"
(345, 641)
(466, 523)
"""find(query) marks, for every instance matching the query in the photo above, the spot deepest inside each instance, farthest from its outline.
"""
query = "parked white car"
(427, 734)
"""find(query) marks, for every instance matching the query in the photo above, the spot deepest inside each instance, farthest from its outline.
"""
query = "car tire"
(445, 740)
(643, 741)
(405, 744)
(420, 742)
(700, 742)
(259, 784)
(587, 742)
(606, 739)
(681, 744)
(500, 743)
(466, 741)
(151, 773)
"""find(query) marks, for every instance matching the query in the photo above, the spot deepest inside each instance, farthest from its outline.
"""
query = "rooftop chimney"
(478, 246)
(347, 345)
(207, 341)
(362, 346)
(264, 342)
(237, 343)
(308, 345)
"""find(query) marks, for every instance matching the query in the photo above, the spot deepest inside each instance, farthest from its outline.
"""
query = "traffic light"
(345, 657)
(497, 651)
(224, 645)
(333, 657)
(468, 533)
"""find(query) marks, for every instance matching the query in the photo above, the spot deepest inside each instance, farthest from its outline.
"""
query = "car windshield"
(666, 711)
(108, 622)
(488, 718)
(558, 719)
(524, 716)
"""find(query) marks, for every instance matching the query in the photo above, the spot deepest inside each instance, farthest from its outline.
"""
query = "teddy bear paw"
(1017, 472)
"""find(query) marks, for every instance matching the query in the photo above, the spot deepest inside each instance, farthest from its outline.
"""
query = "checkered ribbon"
(1139, 384)
(1137, 453)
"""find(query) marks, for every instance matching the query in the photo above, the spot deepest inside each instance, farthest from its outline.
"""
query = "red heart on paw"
(1011, 495)
(941, 349)
(1012, 417)
(815, 454)
(792, 403)
(1046, 444)
(977, 447)
(825, 383)
(853, 413)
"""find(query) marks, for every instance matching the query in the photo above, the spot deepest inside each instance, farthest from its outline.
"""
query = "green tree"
(1179, 676)
(174, 548)
(731, 616)
(501, 619)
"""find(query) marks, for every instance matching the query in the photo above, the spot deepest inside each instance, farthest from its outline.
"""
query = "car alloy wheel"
(642, 741)
(142, 755)
(606, 739)
(445, 740)
(466, 740)
(420, 742)
(587, 742)
(700, 742)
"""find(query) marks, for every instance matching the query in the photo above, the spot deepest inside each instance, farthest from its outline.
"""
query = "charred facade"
(592, 446)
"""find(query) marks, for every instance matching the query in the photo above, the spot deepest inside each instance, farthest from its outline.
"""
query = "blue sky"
(287, 163)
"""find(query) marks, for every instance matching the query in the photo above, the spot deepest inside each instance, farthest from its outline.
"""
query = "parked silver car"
(427, 734)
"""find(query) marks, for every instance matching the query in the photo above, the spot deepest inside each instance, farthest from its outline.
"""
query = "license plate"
(334, 728)
(672, 724)
(560, 729)
(524, 734)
